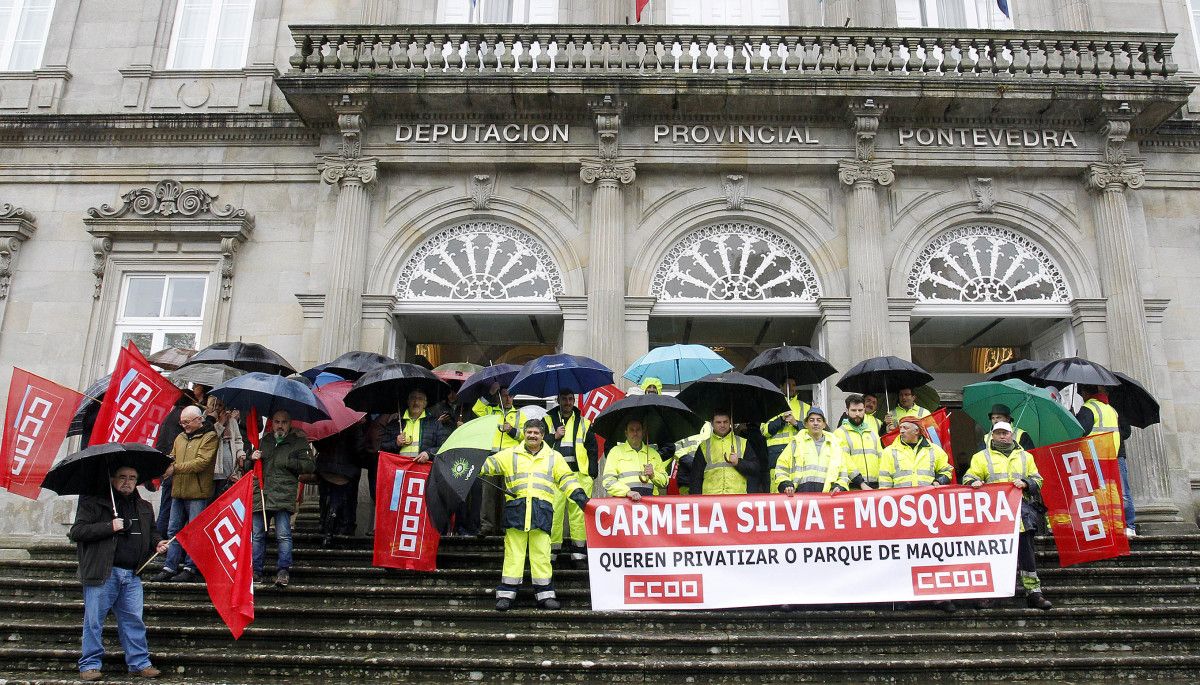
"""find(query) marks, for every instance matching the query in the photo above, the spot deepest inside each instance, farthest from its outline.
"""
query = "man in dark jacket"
(111, 547)
(285, 456)
(415, 433)
(338, 459)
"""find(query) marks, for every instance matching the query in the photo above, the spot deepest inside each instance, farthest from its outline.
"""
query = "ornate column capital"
(337, 170)
(1115, 176)
(866, 115)
(855, 172)
(614, 171)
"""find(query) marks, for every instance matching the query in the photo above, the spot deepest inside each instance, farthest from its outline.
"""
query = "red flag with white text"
(1082, 492)
(136, 404)
(35, 424)
(405, 536)
(595, 401)
(219, 541)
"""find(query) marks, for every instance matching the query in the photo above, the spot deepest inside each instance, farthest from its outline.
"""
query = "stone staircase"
(1132, 619)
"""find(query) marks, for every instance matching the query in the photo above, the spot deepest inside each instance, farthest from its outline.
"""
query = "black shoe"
(984, 604)
(282, 578)
(187, 575)
(260, 577)
(1035, 600)
(164, 576)
(945, 605)
(550, 604)
(503, 604)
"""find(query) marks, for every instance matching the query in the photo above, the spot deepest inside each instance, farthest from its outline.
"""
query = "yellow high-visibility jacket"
(533, 482)
(907, 466)
(809, 470)
(625, 466)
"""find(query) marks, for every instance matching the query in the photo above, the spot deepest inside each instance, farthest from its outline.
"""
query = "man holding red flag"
(1004, 461)
(284, 455)
(218, 541)
(112, 547)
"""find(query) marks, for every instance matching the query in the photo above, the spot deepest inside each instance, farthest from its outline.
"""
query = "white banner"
(711, 552)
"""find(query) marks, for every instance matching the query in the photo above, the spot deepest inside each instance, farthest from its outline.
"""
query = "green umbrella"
(465, 367)
(457, 466)
(1034, 410)
(476, 434)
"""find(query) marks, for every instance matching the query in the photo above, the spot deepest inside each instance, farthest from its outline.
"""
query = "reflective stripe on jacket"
(1104, 420)
(780, 432)
(908, 466)
(625, 466)
(529, 477)
(801, 464)
(573, 445)
(862, 452)
(720, 476)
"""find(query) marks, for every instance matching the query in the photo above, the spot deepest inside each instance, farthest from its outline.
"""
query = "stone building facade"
(925, 178)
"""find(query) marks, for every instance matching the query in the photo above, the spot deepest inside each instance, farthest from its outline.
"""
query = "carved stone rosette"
(168, 198)
(854, 172)
(336, 169)
(621, 171)
(1116, 176)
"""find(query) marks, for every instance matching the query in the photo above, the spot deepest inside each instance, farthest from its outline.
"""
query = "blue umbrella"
(268, 393)
(677, 364)
(551, 374)
(477, 385)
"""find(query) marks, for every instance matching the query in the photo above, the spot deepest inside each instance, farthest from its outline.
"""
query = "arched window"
(480, 260)
(734, 262)
(986, 264)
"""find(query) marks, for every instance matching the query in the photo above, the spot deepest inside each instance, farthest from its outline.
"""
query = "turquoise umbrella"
(677, 364)
(1034, 410)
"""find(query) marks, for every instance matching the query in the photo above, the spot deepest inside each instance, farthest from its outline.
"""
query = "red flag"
(137, 402)
(39, 413)
(252, 427)
(405, 536)
(1082, 492)
(640, 5)
(595, 401)
(219, 541)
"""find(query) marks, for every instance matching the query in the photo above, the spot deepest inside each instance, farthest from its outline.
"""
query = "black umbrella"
(665, 419)
(87, 472)
(450, 481)
(353, 365)
(268, 393)
(244, 356)
(1076, 370)
(89, 407)
(883, 374)
(385, 390)
(789, 361)
(1133, 402)
(477, 385)
(171, 358)
(749, 399)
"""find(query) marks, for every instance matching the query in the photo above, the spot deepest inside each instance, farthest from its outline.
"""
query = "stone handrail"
(777, 52)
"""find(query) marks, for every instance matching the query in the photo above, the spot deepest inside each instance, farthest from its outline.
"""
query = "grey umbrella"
(211, 375)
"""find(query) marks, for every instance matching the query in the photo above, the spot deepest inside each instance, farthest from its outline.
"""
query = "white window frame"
(747, 5)
(158, 326)
(9, 40)
(971, 8)
(1194, 17)
(210, 40)
(518, 11)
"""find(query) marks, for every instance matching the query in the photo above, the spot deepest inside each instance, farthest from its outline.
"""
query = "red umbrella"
(333, 396)
(452, 376)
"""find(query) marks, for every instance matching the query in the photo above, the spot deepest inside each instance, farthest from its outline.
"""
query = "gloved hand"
(579, 498)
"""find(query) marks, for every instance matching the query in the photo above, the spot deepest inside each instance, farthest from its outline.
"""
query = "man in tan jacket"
(194, 454)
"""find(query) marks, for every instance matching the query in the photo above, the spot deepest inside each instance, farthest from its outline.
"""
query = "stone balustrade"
(567, 51)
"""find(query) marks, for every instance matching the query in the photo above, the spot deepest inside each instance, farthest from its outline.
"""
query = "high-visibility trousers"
(517, 545)
(569, 522)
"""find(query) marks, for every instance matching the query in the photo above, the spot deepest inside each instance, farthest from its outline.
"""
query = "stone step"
(281, 610)
(369, 591)
(323, 573)
(169, 637)
(290, 665)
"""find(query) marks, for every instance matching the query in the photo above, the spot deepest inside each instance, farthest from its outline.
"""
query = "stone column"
(637, 331)
(351, 174)
(835, 327)
(866, 269)
(575, 323)
(1128, 339)
(606, 253)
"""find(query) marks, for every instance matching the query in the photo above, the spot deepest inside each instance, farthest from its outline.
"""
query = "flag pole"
(152, 558)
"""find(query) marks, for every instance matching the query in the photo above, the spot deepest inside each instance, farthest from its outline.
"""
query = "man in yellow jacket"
(632, 468)
(723, 462)
(861, 445)
(780, 430)
(570, 434)
(533, 475)
(812, 461)
(1004, 461)
(912, 461)
(907, 407)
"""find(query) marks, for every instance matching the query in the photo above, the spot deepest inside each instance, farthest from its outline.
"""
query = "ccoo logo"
(679, 588)
(952, 579)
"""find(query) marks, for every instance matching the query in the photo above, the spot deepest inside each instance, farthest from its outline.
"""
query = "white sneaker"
(1130, 533)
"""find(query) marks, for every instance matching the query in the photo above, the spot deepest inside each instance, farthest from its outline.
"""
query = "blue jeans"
(283, 535)
(182, 511)
(1126, 495)
(122, 595)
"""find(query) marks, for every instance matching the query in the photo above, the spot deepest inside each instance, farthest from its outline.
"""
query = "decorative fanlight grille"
(986, 264)
(480, 260)
(734, 262)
